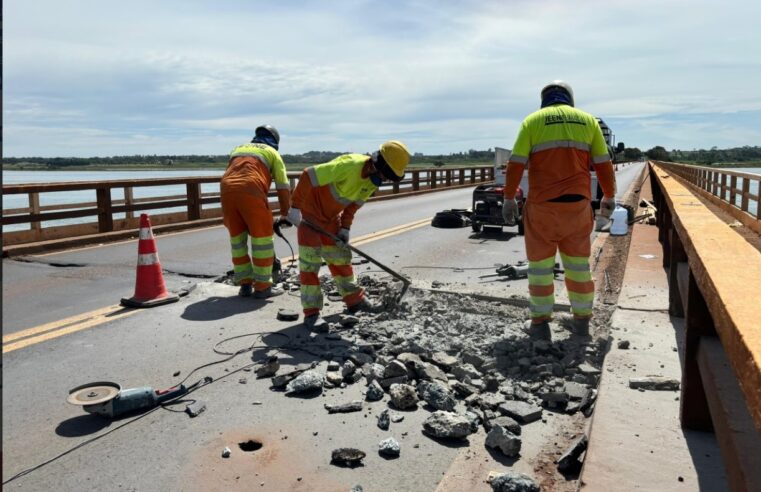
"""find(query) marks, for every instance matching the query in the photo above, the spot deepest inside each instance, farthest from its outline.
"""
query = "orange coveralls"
(246, 210)
(557, 144)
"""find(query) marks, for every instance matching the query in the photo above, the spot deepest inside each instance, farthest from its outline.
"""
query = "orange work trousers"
(248, 216)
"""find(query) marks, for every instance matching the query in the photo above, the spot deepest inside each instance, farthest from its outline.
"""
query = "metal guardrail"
(730, 190)
(198, 206)
(713, 284)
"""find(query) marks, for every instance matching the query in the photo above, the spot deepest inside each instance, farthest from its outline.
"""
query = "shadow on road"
(214, 308)
(493, 236)
(81, 425)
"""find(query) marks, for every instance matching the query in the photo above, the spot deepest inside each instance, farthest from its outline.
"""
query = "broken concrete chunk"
(462, 371)
(403, 396)
(361, 358)
(334, 365)
(474, 420)
(430, 372)
(490, 400)
(623, 344)
(226, 452)
(384, 422)
(473, 359)
(437, 395)
(304, 382)
(446, 425)
(347, 457)
(395, 369)
(588, 369)
(444, 360)
(554, 399)
(396, 417)
(504, 440)
(348, 369)
(374, 392)
(269, 368)
(347, 320)
(514, 482)
(569, 463)
(389, 447)
(521, 411)
(334, 378)
(196, 408)
(357, 488)
(576, 391)
(284, 314)
(504, 421)
(387, 383)
(352, 406)
(656, 383)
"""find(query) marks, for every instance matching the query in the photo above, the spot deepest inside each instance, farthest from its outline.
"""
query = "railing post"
(694, 412)
(105, 217)
(482, 174)
(723, 188)
(415, 180)
(472, 174)
(733, 190)
(129, 199)
(194, 201)
(677, 255)
(34, 208)
(433, 175)
(744, 198)
(449, 177)
(461, 172)
(396, 187)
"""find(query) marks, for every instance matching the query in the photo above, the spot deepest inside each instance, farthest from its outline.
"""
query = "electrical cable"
(194, 387)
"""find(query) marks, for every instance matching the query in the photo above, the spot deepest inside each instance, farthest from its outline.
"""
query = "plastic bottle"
(620, 226)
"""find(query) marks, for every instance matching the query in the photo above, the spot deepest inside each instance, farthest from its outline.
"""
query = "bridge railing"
(118, 203)
(737, 193)
(714, 282)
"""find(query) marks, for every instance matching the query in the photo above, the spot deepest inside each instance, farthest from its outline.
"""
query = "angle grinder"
(110, 400)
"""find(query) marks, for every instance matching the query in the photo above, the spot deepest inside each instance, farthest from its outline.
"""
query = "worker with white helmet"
(557, 144)
(328, 195)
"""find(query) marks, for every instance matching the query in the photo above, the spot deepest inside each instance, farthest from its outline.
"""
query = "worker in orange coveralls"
(246, 211)
(328, 195)
(557, 144)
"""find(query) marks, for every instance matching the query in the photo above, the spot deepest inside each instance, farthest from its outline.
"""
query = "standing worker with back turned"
(328, 195)
(246, 211)
(557, 144)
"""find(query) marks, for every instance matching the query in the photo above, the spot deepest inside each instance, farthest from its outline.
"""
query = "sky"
(104, 78)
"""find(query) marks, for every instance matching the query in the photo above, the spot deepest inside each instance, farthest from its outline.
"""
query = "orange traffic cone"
(150, 289)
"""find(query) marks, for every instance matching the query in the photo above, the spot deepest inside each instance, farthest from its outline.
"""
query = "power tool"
(110, 400)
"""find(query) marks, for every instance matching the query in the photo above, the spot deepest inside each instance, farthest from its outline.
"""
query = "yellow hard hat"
(396, 155)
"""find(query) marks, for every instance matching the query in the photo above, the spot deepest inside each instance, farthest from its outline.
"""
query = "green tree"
(658, 153)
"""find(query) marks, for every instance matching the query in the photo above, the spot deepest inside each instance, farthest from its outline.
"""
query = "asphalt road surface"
(61, 329)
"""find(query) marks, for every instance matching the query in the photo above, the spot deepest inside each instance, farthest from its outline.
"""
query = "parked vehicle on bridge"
(487, 198)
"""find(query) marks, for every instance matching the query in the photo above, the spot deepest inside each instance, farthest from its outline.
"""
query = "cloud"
(102, 78)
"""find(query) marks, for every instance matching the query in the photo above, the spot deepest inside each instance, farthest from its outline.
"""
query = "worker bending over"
(246, 211)
(557, 144)
(328, 195)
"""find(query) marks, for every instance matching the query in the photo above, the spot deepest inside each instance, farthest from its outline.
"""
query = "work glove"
(510, 211)
(294, 216)
(343, 235)
(607, 205)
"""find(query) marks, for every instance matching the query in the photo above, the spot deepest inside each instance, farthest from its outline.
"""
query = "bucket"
(620, 224)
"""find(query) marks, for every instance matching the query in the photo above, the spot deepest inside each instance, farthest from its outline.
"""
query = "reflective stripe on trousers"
(579, 284)
(313, 248)
(248, 216)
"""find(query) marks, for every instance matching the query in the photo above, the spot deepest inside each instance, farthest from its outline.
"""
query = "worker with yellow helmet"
(328, 195)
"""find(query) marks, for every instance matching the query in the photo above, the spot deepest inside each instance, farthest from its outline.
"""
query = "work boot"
(268, 292)
(539, 331)
(245, 290)
(581, 326)
(364, 305)
(315, 323)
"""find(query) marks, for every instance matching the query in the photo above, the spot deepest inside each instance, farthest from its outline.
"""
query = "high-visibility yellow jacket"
(333, 191)
(251, 170)
(557, 144)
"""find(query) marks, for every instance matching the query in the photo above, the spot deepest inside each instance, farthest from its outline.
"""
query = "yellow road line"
(55, 329)
(374, 236)
(88, 320)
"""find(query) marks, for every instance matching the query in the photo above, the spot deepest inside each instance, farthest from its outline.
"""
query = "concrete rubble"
(467, 361)
(655, 383)
(350, 457)
(389, 447)
(514, 482)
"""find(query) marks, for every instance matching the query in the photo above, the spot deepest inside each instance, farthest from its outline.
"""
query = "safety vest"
(336, 188)
(252, 168)
(557, 144)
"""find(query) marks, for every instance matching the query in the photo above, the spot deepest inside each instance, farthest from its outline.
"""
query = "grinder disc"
(93, 393)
